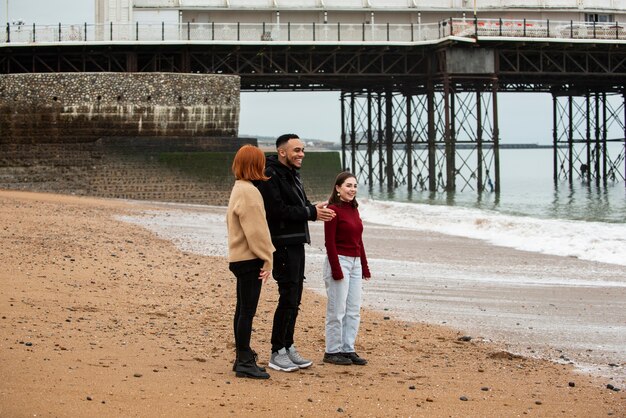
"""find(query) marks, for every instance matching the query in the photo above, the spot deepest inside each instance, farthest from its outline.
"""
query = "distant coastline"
(511, 146)
(267, 143)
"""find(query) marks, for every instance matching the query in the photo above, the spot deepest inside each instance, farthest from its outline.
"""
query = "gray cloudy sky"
(523, 117)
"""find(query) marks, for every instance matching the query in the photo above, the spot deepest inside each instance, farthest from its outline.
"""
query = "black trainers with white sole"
(336, 358)
(355, 359)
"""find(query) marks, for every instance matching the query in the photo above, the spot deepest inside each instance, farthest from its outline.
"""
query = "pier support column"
(370, 140)
(409, 142)
(432, 134)
(353, 135)
(389, 139)
(479, 143)
(344, 142)
(428, 140)
(448, 135)
(581, 137)
(496, 139)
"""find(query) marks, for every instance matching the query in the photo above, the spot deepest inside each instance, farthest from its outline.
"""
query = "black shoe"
(355, 359)
(255, 359)
(337, 358)
(246, 366)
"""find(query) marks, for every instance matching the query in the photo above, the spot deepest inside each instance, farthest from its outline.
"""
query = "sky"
(524, 117)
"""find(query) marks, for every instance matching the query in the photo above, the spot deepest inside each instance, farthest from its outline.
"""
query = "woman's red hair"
(249, 164)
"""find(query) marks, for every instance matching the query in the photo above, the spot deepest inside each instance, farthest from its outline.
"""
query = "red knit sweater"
(344, 236)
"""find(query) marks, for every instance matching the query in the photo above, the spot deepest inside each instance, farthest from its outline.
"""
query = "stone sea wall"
(159, 137)
(103, 134)
(188, 172)
(82, 107)
(126, 168)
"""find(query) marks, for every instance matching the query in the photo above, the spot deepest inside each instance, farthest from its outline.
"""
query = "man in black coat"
(288, 211)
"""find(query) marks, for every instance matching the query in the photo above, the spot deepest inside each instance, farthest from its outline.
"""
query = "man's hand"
(323, 213)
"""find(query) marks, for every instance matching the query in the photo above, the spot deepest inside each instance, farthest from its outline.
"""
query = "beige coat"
(248, 233)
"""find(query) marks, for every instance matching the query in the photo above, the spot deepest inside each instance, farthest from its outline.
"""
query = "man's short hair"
(283, 139)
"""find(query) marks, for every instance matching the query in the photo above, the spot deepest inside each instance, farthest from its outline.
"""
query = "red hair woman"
(250, 252)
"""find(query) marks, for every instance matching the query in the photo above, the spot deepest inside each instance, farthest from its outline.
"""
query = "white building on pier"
(354, 11)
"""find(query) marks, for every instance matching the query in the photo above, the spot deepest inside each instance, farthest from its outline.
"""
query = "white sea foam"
(199, 232)
(595, 241)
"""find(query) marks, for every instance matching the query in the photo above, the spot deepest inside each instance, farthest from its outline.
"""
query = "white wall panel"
(295, 4)
(203, 3)
(157, 3)
(391, 3)
(330, 4)
(383, 4)
(113, 11)
(251, 3)
(156, 16)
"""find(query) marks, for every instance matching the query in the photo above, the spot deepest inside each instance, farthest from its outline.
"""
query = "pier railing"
(469, 29)
(525, 28)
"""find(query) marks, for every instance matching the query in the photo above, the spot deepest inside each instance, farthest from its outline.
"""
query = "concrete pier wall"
(157, 136)
(83, 107)
(104, 134)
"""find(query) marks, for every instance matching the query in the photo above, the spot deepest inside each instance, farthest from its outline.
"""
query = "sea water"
(530, 213)
(528, 189)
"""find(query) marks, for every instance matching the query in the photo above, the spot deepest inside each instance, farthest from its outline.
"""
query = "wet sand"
(101, 317)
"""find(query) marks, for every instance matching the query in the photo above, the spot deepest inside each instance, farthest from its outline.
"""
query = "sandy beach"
(103, 317)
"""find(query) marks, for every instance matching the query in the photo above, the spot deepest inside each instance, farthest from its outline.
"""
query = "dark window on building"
(596, 17)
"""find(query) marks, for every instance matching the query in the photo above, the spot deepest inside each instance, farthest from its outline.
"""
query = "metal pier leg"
(597, 137)
(381, 138)
(496, 138)
(555, 138)
(409, 144)
(389, 139)
(432, 149)
(588, 138)
(343, 130)
(353, 131)
(453, 138)
(450, 156)
(570, 140)
(370, 146)
(381, 160)
(479, 143)
(604, 134)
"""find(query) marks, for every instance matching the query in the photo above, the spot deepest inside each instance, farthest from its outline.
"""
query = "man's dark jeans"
(289, 275)
(248, 292)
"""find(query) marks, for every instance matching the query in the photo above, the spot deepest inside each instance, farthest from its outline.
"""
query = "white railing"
(310, 32)
(525, 28)
(223, 32)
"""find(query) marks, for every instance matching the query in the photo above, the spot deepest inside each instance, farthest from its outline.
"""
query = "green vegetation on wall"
(318, 170)
(203, 165)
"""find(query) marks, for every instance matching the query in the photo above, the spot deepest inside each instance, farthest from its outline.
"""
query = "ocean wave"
(594, 241)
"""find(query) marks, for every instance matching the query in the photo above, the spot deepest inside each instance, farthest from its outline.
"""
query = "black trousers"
(289, 275)
(248, 292)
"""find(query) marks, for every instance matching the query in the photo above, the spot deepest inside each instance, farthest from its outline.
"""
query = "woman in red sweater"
(344, 268)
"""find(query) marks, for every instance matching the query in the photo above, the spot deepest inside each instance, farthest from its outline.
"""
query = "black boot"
(245, 366)
(255, 359)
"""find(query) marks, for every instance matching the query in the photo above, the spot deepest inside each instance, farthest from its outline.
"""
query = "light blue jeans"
(343, 308)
